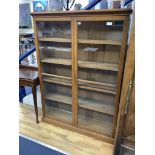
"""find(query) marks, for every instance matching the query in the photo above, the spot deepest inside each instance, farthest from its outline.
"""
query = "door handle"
(128, 96)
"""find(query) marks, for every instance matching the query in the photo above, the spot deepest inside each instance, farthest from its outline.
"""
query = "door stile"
(39, 66)
(74, 73)
(120, 73)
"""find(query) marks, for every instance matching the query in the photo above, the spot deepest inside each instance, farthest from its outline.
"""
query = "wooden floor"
(68, 141)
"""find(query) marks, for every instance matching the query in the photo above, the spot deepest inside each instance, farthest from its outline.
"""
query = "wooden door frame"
(128, 76)
(74, 72)
(39, 66)
(121, 64)
(44, 19)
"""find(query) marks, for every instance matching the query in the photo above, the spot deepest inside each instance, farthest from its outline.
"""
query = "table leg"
(35, 103)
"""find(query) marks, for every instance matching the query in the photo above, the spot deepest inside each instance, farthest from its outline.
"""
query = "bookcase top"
(84, 12)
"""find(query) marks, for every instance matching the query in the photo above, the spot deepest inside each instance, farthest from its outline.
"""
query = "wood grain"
(107, 42)
(58, 61)
(39, 66)
(120, 73)
(95, 84)
(56, 76)
(98, 65)
(130, 116)
(100, 17)
(57, 81)
(74, 72)
(85, 12)
(55, 19)
(97, 89)
(61, 40)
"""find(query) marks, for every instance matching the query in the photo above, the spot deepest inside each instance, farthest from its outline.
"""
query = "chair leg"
(35, 103)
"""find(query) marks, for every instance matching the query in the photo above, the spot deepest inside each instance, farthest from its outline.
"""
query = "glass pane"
(100, 30)
(92, 108)
(99, 45)
(55, 58)
(59, 29)
(58, 101)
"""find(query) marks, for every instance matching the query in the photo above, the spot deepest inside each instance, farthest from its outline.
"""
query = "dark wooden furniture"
(81, 56)
(28, 76)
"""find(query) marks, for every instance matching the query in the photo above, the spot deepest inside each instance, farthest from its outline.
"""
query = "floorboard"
(66, 140)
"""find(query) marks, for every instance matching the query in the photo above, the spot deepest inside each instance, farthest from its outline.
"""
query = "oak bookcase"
(81, 59)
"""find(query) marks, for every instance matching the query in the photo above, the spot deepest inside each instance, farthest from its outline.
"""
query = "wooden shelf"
(83, 103)
(82, 41)
(107, 42)
(61, 40)
(57, 61)
(95, 84)
(52, 80)
(90, 123)
(59, 114)
(66, 83)
(97, 125)
(97, 89)
(57, 79)
(98, 65)
(58, 49)
(84, 84)
(96, 106)
(83, 64)
(59, 98)
(56, 76)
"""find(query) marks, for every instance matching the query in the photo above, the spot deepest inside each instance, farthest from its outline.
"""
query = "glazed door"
(55, 57)
(99, 61)
(125, 131)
